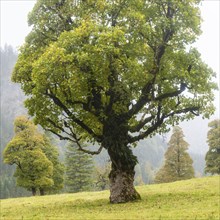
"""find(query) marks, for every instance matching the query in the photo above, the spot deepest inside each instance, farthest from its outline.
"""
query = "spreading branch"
(144, 97)
(141, 124)
(150, 130)
(159, 122)
(80, 123)
(71, 137)
(171, 94)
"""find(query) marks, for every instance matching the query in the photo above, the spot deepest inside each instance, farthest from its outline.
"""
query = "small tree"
(79, 169)
(178, 164)
(213, 155)
(35, 159)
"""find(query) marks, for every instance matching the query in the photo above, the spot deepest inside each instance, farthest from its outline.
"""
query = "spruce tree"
(79, 169)
(213, 155)
(178, 164)
(52, 154)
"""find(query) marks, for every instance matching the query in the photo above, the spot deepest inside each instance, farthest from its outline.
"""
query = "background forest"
(150, 152)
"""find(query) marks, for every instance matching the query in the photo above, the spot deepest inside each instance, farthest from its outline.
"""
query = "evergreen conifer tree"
(178, 164)
(79, 169)
(52, 154)
(213, 154)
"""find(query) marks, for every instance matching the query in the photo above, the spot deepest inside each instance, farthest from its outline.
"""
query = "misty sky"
(14, 28)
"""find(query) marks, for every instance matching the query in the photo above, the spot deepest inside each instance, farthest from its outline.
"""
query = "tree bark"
(123, 163)
(121, 186)
(33, 190)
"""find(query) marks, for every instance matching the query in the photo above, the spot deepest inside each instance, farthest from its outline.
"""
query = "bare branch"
(141, 124)
(77, 141)
(74, 138)
(80, 123)
(150, 130)
(160, 121)
(185, 110)
(61, 129)
(60, 136)
(88, 151)
(171, 94)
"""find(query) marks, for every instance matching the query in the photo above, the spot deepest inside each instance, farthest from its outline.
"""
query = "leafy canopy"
(33, 168)
(85, 62)
(36, 160)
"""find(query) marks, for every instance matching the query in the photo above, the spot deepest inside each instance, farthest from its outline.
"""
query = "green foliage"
(113, 54)
(35, 158)
(79, 170)
(51, 152)
(34, 170)
(178, 164)
(213, 154)
(190, 199)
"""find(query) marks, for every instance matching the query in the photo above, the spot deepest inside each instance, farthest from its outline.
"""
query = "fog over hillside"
(196, 134)
(196, 130)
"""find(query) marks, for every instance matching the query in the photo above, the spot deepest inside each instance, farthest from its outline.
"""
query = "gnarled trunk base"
(123, 160)
(121, 187)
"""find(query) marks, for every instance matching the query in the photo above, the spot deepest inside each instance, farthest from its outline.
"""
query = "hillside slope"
(190, 199)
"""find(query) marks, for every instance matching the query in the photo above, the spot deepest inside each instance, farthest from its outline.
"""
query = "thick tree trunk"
(123, 162)
(33, 190)
(121, 186)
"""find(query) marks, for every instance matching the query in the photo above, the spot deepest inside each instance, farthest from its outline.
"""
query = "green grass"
(191, 199)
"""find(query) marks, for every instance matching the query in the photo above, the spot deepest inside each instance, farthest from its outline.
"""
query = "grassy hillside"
(191, 199)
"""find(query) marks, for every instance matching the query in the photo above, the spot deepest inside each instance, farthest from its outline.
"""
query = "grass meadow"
(194, 199)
